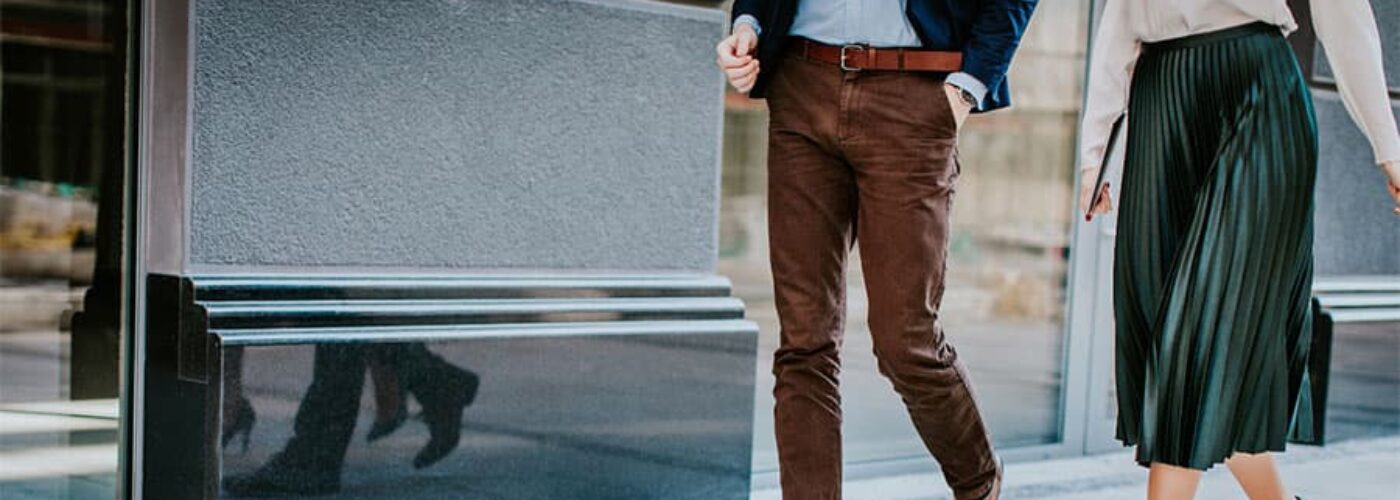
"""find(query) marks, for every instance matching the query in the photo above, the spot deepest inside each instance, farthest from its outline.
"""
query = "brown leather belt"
(861, 57)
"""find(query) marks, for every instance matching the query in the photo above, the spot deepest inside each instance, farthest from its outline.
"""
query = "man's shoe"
(994, 493)
(270, 481)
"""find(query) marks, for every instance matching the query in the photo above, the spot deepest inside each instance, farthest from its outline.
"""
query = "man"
(865, 100)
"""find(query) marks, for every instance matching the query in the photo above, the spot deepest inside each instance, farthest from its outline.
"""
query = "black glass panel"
(1363, 393)
(654, 416)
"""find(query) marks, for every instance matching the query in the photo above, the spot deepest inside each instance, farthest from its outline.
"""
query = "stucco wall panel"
(455, 134)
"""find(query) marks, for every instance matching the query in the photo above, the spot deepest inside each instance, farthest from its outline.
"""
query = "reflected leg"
(326, 417)
(390, 398)
(312, 460)
(238, 415)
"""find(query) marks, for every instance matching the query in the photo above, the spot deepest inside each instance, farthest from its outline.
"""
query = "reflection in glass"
(648, 416)
(62, 167)
(1363, 394)
(1004, 308)
(311, 461)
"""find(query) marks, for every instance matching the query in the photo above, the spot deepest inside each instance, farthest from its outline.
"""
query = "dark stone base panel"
(663, 416)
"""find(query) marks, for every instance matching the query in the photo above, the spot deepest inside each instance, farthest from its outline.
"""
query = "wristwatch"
(967, 97)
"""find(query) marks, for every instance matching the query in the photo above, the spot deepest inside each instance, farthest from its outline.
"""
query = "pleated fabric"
(1213, 265)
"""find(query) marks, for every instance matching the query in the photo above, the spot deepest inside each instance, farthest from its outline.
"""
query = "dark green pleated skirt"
(1213, 266)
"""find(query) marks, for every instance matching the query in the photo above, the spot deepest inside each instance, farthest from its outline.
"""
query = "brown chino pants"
(869, 154)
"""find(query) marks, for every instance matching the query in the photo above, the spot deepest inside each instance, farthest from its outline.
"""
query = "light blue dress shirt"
(877, 23)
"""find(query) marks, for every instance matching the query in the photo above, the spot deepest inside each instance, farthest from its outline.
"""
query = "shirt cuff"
(1387, 150)
(970, 84)
(749, 20)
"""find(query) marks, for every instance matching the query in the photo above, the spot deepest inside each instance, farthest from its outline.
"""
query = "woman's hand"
(1088, 177)
(1392, 185)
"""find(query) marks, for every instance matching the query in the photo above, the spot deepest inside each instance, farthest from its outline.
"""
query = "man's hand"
(960, 107)
(1088, 177)
(736, 57)
(1392, 184)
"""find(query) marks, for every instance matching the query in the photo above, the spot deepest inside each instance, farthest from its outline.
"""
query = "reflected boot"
(280, 478)
(443, 413)
(444, 391)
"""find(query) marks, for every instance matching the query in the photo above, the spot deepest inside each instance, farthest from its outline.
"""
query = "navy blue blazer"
(987, 32)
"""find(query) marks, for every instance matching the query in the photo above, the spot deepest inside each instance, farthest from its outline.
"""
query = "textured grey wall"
(455, 134)
(1356, 233)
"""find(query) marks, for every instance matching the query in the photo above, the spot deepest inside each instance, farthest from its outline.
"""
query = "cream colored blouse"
(1347, 29)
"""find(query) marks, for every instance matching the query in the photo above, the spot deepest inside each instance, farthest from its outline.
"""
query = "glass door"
(63, 241)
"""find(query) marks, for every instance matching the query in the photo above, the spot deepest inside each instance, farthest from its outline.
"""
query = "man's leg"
(811, 202)
(904, 156)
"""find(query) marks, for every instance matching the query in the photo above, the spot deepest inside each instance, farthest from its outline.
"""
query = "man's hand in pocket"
(961, 108)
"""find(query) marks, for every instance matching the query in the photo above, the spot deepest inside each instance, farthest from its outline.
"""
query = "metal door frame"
(1093, 264)
(161, 33)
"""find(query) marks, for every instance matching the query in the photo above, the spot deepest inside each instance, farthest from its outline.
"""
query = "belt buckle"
(844, 56)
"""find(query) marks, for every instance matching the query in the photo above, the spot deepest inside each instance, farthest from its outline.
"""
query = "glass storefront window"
(1005, 305)
(62, 183)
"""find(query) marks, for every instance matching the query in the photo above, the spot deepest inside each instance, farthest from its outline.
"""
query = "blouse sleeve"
(1347, 29)
(1115, 52)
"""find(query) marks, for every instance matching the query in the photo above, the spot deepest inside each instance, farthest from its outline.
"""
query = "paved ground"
(1354, 470)
(50, 453)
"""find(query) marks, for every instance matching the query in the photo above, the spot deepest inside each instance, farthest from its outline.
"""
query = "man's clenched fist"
(736, 57)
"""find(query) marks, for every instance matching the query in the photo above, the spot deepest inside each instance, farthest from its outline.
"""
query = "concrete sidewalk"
(1353, 470)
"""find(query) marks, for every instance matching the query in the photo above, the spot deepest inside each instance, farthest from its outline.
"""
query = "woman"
(1213, 266)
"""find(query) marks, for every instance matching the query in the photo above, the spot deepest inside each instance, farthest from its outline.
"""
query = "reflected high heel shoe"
(454, 391)
(387, 426)
(241, 423)
(390, 397)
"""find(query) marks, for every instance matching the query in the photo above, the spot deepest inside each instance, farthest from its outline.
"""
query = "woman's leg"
(1258, 476)
(233, 386)
(389, 396)
(1169, 482)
